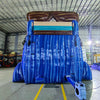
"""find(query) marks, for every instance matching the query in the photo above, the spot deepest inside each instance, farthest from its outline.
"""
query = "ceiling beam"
(13, 21)
(16, 18)
(19, 33)
(9, 20)
(4, 31)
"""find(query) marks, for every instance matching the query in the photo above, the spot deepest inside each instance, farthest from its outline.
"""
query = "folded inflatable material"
(48, 58)
(18, 73)
(87, 74)
(96, 66)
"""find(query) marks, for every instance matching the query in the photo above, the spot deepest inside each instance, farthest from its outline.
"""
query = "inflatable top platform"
(52, 49)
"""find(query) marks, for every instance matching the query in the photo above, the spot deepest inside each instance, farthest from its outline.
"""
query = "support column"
(90, 46)
(6, 41)
(16, 42)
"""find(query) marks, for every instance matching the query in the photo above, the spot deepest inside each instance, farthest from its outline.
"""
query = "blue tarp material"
(96, 66)
(48, 58)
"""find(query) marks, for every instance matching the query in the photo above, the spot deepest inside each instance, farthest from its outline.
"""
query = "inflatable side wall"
(49, 58)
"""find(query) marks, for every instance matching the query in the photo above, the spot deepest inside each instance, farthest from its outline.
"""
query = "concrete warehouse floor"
(20, 91)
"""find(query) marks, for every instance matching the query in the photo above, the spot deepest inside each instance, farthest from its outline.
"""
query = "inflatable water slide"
(52, 51)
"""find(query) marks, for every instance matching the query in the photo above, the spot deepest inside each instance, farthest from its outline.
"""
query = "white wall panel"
(2, 40)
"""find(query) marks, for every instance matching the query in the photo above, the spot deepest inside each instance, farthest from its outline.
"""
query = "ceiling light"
(89, 42)
(97, 42)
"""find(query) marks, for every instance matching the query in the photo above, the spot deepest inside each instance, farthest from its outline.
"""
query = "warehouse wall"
(2, 40)
(15, 41)
(84, 35)
(11, 43)
(94, 48)
(20, 45)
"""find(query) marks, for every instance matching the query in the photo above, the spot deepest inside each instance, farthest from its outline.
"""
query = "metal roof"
(13, 12)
